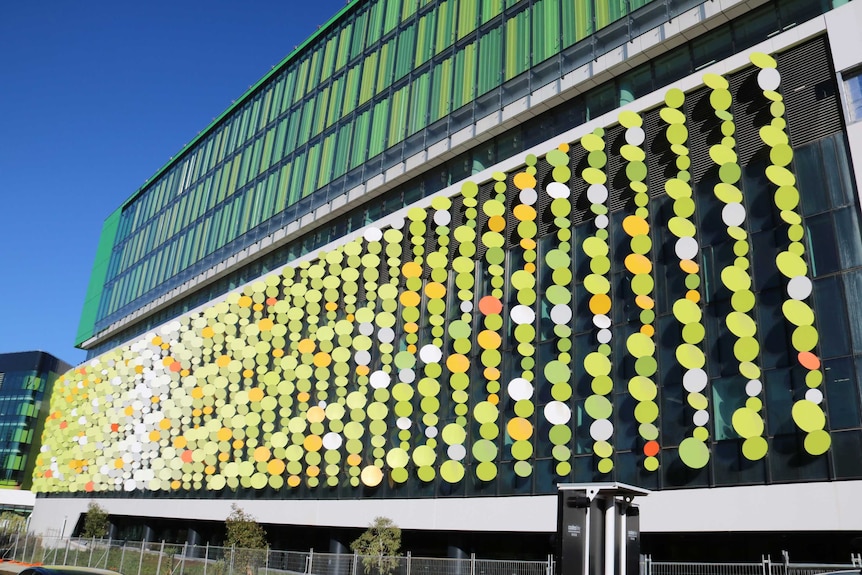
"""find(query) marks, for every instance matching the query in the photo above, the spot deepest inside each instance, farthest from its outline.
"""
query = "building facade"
(26, 383)
(450, 254)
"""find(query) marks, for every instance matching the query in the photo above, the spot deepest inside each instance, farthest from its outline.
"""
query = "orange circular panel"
(809, 360)
(360, 370)
(635, 226)
(207, 331)
(600, 304)
(435, 290)
(322, 359)
(223, 457)
(651, 448)
(244, 301)
(166, 361)
(563, 147)
(176, 367)
(645, 302)
(647, 330)
(238, 443)
(271, 301)
(293, 480)
(165, 424)
(278, 352)
(275, 467)
(519, 428)
(493, 399)
(524, 212)
(638, 264)
(89, 486)
(313, 443)
(223, 361)
(411, 270)
(196, 412)
(248, 373)
(255, 394)
(523, 180)
(208, 409)
(491, 373)
(303, 396)
(488, 339)
(224, 434)
(457, 363)
(490, 305)
(528, 243)
(331, 306)
(692, 295)
(156, 340)
(411, 348)
(354, 459)
(530, 267)
(209, 469)
(689, 266)
(187, 456)
(315, 414)
(261, 454)
(411, 327)
(306, 346)
(155, 435)
(176, 484)
(265, 324)
(180, 442)
(497, 223)
(410, 299)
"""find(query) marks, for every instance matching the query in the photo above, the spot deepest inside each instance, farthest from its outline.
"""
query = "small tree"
(96, 522)
(246, 538)
(379, 546)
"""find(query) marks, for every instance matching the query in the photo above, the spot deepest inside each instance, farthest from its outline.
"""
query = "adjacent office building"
(26, 381)
(450, 254)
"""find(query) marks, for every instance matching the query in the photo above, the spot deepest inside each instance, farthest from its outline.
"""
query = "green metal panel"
(87, 323)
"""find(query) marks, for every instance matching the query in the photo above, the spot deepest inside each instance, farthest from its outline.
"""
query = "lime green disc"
(747, 422)
(808, 416)
(720, 99)
(603, 449)
(735, 279)
(754, 448)
(646, 412)
(642, 388)
(693, 453)
(817, 442)
(729, 173)
(648, 431)
(523, 469)
(780, 176)
(740, 324)
(486, 471)
(677, 134)
(598, 407)
(722, 154)
(674, 98)
(797, 312)
(814, 378)
(727, 193)
(591, 142)
(596, 364)
(605, 465)
(690, 356)
(452, 471)
(672, 115)
(594, 176)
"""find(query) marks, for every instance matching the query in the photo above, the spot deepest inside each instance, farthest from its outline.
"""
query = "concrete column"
(339, 563)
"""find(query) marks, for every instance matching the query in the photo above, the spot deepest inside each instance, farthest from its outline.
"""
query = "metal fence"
(148, 558)
(766, 566)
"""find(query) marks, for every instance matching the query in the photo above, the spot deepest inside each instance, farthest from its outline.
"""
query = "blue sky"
(96, 96)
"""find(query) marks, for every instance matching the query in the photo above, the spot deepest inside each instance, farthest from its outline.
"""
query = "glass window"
(853, 94)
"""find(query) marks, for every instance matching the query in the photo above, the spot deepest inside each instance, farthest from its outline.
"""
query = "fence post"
(122, 566)
(66, 554)
(266, 560)
(24, 550)
(472, 564)
(141, 559)
(409, 562)
(310, 561)
(232, 553)
(15, 548)
(183, 559)
(206, 557)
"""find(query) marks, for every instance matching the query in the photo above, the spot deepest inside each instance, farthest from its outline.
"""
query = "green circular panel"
(674, 98)
(805, 338)
(720, 99)
(557, 371)
(690, 356)
(640, 345)
(641, 245)
(646, 365)
(684, 207)
(636, 171)
(523, 469)
(786, 198)
(791, 265)
(672, 115)
(597, 364)
(729, 173)
(560, 434)
(742, 300)
(728, 193)
(557, 157)
(602, 385)
(632, 153)
(522, 450)
(747, 422)
(781, 155)
(630, 119)
(697, 401)
(677, 188)
(722, 154)
(642, 388)
(798, 312)
(591, 142)
(646, 412)
(808, 416)
(715, 81)
(773, 137)
(693, 333)
(817, 442)
(686, 311)
(594, 176)
(596, 284)
(762, 60)
(746, 349)
(595, 247)
(648, 431)
(598, 407)
(677, 134)
(485, 412)
(735, 279)
(754, 448)
(484, 450)
(603, 449)
(780, 176)
(693, 453)
(452, 471)
(740, 324)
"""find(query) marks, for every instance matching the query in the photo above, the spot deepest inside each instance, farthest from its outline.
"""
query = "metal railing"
(766, 566)
(149, 558)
